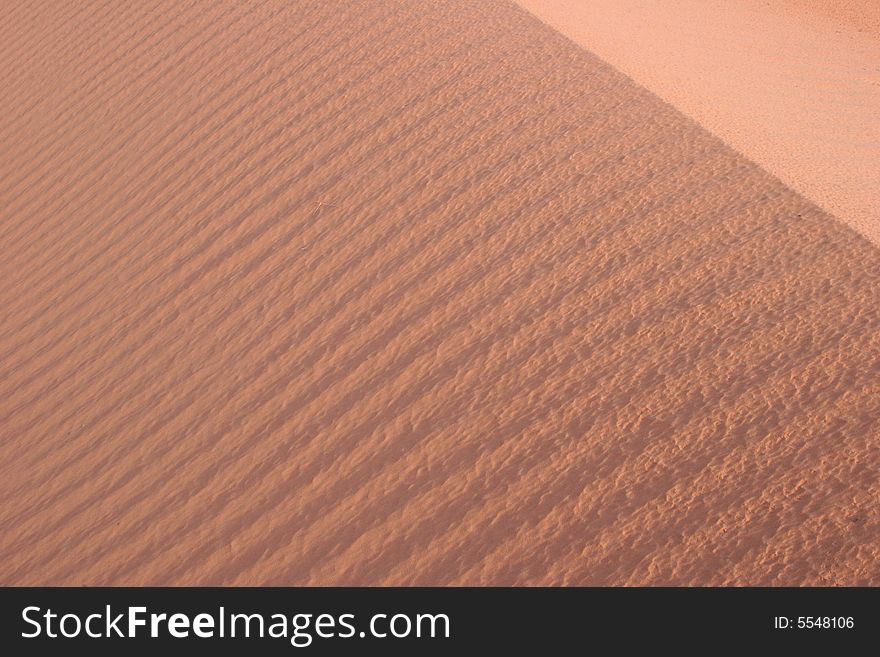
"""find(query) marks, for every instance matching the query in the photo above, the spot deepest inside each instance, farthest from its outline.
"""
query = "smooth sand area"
(409, 293)
(794, 85)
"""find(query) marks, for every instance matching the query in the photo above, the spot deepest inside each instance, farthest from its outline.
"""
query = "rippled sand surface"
(409, 293)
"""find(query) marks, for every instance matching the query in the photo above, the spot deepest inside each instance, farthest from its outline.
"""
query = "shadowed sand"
(409, 292)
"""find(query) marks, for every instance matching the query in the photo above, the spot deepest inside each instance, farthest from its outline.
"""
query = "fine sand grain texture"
(859, 15)
(409, 293)
(792, 84)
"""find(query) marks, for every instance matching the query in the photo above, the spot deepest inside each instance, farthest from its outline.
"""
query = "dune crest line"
(793, 85)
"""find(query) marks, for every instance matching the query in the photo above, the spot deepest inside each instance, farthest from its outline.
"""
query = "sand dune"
(794, 85)
(409, 293)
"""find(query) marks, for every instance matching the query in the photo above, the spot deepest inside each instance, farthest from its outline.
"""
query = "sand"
(794, 85)
(409, 293)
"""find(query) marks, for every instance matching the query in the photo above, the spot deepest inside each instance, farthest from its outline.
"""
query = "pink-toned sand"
(398, 292)
(794, 85)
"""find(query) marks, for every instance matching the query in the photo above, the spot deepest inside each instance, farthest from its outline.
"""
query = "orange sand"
(409, 293)
(794, 88)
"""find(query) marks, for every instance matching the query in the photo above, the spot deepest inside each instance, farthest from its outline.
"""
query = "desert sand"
(794, 85)
(398, 292)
